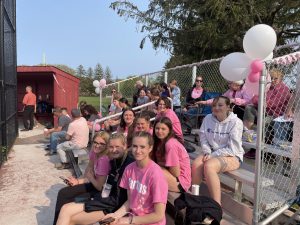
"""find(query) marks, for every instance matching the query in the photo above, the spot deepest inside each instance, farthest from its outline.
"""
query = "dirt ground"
(29, 182)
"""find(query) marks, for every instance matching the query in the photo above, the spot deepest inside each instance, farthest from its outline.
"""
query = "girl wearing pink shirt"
(142, 123)
(126, 126)
(164, 110)
(146, 186)
(171, 155)
(93, 178)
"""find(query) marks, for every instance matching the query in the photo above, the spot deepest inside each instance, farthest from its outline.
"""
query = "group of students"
(130, 172)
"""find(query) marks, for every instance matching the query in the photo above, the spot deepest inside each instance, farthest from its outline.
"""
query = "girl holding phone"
(147, 188)
(93, 178)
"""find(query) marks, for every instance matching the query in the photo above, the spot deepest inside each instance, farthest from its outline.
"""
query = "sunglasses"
(199, 80)
(99, 143)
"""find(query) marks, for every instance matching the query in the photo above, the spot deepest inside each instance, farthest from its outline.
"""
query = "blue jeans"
(188, 118)
(55, 139)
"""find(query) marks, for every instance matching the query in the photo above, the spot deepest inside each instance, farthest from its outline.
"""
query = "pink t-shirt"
(175, 121)
(101, 165)
(196, 93)
(79, 131)
(146, 187)
(176, 155)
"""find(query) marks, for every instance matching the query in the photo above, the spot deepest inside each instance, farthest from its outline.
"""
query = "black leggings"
(68, 194)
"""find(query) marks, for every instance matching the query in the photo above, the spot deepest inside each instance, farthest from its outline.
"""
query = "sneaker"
(47, 148)
(250, 154)
(24, 129)
(50, 153)
(64, 166)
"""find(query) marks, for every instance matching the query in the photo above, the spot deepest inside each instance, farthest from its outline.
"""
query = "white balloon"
(259, 41)
(97, 90)
(96, 83)
(235, 66)
(269, 57)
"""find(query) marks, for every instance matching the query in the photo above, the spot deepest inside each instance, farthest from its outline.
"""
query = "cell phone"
(107, 221)
(66, 181)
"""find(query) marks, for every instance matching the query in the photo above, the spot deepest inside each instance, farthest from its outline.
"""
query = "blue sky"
(74, 32)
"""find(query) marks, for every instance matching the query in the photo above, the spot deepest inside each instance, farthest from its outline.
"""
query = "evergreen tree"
(98, 72)
(90, 73)
(108, 75)
(80, 72)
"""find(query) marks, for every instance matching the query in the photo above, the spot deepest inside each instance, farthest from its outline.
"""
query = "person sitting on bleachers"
(142, 123)
(170, 154)
(124, 104)
(77, 138)
(112, 195)
(143, 98)
(94, 176)
(164, 110)
(238, 96)
(194, 95)
(140, 86)
(175, 94)
(221, 143)
(126, 126)
(90, 114)
(154, 96)
(58, 133)
(277, 99)
(112, 124)
(146, 186)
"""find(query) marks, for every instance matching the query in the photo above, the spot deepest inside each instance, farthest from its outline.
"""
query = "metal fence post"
(166, 77)
(118, 86)
(194, 74)
(259, 145)
(147, 80)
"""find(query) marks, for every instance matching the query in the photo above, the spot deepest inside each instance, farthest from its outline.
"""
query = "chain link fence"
(280, 141)
(8, 77)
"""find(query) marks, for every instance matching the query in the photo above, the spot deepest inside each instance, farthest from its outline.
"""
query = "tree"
(90, 73)
(195, 30)
(98, 72)
(80, 72)
(108, 75)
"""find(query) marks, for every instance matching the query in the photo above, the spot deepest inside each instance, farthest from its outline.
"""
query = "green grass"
(95, 101)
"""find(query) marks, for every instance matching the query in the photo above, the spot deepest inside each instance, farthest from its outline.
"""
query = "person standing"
(29, 102)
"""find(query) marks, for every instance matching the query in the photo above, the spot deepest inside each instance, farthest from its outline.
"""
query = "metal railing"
(120, 113)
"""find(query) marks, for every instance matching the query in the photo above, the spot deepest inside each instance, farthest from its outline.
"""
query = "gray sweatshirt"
(222, 138)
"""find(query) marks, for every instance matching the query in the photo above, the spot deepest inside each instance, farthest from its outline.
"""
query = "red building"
(52, 86)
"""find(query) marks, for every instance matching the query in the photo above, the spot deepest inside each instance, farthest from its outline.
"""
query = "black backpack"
(198, 208)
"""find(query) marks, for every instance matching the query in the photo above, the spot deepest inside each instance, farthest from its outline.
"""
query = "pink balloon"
(102, 83)
(252, 88)
(256, 66)
(254, 77)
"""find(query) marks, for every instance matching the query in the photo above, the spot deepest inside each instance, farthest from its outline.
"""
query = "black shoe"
(24, 129)
(47, 148)
(64, 166)
(50, 153)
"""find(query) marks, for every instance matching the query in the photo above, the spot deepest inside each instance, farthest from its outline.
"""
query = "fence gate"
(8, 77)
